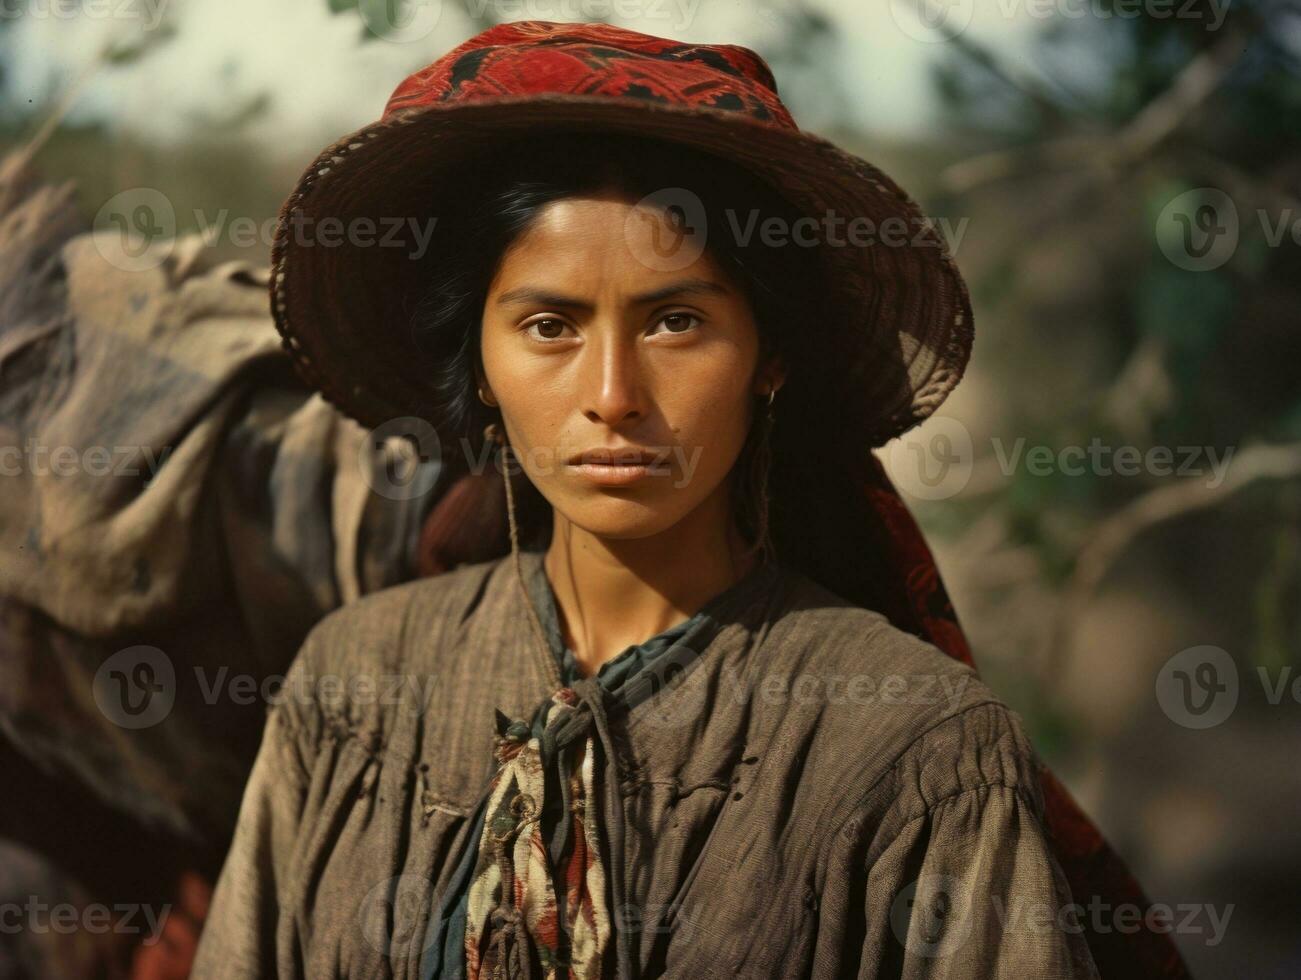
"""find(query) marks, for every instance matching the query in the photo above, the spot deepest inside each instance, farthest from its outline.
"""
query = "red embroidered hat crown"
(532, 57)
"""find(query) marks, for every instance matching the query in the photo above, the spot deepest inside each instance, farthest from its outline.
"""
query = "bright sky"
(325, 83)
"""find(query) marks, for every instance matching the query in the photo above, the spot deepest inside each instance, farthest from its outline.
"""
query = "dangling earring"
(494, 433)
(760, 466)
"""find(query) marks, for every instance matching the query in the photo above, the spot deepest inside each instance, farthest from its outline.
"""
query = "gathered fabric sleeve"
(953, 885)
(247, 934)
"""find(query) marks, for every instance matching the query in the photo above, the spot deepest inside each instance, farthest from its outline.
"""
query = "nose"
(610, 379)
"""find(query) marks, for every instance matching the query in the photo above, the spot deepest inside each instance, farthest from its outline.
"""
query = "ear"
(770, 376)
(481, 382)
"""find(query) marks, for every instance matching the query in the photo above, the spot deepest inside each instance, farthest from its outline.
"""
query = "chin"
(621, 516)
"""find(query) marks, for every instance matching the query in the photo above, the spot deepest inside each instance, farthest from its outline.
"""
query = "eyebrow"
(544, 297)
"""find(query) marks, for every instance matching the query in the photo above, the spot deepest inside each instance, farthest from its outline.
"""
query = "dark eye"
(678, 322)
(548, 329)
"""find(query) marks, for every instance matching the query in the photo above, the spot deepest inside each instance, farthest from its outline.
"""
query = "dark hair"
(782, 283)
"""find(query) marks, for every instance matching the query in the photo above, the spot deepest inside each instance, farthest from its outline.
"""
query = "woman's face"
(588, 347)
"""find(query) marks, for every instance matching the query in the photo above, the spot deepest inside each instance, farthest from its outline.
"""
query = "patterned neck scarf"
(529, 898)
(513, 895)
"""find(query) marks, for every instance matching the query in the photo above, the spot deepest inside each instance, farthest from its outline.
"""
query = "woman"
(677, 731)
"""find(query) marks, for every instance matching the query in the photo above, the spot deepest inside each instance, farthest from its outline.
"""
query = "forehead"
(619, 244)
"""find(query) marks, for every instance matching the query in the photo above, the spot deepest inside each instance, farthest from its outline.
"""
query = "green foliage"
(130, 50)
(1277, 594)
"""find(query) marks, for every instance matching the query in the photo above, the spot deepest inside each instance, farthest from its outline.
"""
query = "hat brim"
(344, 309)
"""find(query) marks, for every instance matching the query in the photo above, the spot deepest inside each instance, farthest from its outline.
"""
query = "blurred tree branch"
(1111, 537)
(1104, 155)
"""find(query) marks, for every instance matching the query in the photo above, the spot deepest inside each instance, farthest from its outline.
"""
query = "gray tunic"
(819, 795)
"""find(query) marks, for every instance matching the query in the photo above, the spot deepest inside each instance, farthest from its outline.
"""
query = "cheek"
(523, 398)
(710, 413)
(536, 420)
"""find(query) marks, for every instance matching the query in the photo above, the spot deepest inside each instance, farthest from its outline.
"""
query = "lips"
(619, 456)
(621, 466)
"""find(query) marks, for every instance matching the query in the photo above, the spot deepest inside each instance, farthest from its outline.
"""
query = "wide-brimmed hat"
(343, 303)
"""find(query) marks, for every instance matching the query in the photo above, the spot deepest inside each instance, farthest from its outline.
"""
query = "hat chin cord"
(494, 433)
